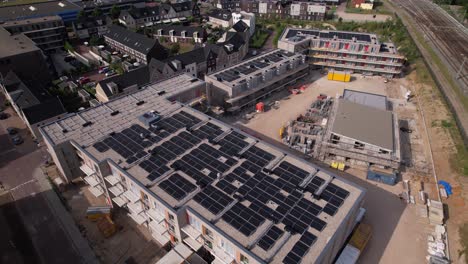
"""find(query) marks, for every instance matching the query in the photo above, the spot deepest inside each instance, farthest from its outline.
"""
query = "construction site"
(303, 120)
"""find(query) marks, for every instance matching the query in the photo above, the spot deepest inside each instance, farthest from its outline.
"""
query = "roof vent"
(115, 113)
(61, 4)
(140, 102)
(161, 92)
(87, 124)
(65, 130)
(32, 8)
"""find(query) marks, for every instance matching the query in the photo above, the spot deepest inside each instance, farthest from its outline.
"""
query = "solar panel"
(213, 199)
(270, 238)
(177, 186)
(244, 219)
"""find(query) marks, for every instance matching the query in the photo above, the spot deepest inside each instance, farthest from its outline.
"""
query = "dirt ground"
(130, 244)
(393, 221)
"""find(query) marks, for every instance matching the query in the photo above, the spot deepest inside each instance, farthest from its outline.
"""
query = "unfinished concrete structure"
(344, 51)
(246, 83)
(196, 181)
(361, 131)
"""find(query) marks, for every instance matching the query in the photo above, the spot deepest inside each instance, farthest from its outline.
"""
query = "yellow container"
(347, 77)
(339, 76)
(330, 75)
(361, 236)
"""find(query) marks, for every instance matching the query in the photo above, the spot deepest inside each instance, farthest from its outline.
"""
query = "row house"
(286, 9)
(135, 45)
(178, 33)
(229, 5)
(88, 27)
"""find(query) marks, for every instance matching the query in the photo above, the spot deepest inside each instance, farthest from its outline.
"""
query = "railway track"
(445, 33)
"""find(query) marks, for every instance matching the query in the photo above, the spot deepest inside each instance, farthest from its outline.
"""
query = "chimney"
(229, 47)
(113, 87)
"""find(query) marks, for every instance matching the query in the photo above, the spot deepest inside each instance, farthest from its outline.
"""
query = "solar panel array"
(252, 66)
(177, 186)
(330, 34)
(275, 196)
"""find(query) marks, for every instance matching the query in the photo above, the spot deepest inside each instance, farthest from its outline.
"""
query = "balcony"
(120, 201)
(157, 227)
(116, 190)
(155, 215)
(91, 180)
(161, 239)
(222, 256)
(132, 197)
(192, 243)
(139, 218)
(96, 190)
(191, 232)
(87, 170)
(135, 208)
(112, 180)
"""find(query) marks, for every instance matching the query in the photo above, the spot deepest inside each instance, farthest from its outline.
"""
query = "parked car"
(12, 130)
(4, 116)
(17, 139)
(103, 70)
(110, 73)
(83, 80)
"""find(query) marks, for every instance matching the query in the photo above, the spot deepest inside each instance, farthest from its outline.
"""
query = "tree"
(81, 14)
(96, 12)
(68, 47)
(115, 12)
(95, 41)
(175, 48)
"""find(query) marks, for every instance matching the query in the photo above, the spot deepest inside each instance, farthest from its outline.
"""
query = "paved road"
(54, 235)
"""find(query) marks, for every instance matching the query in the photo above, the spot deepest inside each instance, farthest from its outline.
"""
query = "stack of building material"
(436, 212)
(436, 244)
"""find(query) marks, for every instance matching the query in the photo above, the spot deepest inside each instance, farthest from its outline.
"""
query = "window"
(244, 259)
(171, 217)
(195, 223)
(358, 145)
(208, 233)
(227, 247)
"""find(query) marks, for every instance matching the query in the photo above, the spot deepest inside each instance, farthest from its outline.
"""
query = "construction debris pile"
(303, 133)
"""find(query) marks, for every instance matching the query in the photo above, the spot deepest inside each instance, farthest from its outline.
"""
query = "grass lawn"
(378, 9)
(258, 39)
(184, 47)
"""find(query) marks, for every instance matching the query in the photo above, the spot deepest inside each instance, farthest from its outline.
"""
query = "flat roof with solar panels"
(242, 71)
(292, 33)
(276, 207)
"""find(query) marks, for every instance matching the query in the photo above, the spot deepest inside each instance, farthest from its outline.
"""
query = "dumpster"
(378, 176)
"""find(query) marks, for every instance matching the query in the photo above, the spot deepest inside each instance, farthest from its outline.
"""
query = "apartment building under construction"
(345, 51)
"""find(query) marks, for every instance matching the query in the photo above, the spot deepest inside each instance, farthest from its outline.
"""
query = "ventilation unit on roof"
(229, 47)
(149, 118)
(61, 4)
(161, 92)
(115, 113)
(140, 102)
(87, 124)
(32, 8)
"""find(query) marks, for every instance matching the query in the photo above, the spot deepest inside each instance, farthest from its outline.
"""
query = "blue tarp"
(447, 187)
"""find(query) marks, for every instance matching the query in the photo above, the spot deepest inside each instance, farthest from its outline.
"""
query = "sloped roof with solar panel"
(329, 34)
(276, 207)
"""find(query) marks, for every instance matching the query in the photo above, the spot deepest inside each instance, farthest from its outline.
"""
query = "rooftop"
(295, 35)
(364, 123)
(11, 45)
(33, 10)
(133, 40)
(28, 21)
(139, 77)
(221, 14)
(369, 99)
(273, 205)
(178, 29)
(256, 65)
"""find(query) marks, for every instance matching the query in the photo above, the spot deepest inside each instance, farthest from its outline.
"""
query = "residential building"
(68, 11)
(247, 18)
(204, 60)
(122, 84)
(344, 51)
(146, 16)
(249, 82)
(20, 54)
(179, 33)
(47, 32)
(301, 10)
(363, 4)
(229, 5)
(105, 6)
(135, 45)
(361, 131)
(33, 105)
(220, 18)
(194, 181)
(88, 27)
